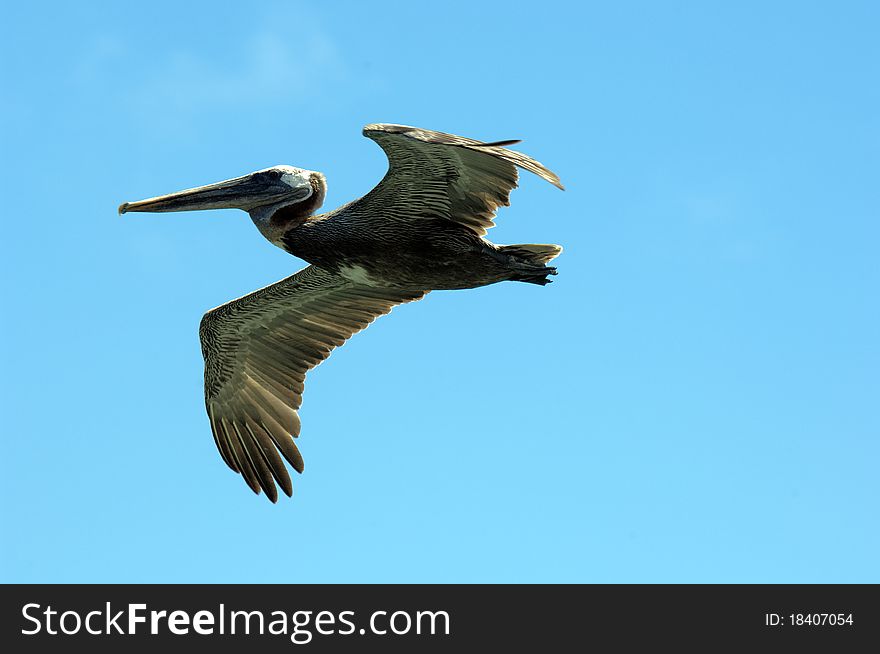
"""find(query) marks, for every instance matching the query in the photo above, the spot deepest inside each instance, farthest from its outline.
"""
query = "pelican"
(420, 229)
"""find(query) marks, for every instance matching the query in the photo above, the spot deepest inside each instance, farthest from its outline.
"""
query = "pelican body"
(421, 229)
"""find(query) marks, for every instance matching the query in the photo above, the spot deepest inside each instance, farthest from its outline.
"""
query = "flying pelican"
(420, 229)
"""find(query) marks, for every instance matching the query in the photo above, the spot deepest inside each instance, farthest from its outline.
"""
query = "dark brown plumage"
(420, 229)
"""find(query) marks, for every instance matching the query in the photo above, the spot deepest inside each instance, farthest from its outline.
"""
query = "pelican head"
(263, 194)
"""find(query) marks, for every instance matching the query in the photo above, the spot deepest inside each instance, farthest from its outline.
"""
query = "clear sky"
(695, 398)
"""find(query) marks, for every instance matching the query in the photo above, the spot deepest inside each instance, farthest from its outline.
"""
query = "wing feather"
(279, 472)
(257, 351)
(258, 461)
(438, 175)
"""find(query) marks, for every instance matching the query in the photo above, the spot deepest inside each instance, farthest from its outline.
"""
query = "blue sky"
(694, 400)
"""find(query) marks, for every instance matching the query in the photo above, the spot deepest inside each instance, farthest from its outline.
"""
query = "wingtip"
(285, 483)
(498, 144)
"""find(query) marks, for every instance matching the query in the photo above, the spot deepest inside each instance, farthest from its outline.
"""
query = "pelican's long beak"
(244, 192)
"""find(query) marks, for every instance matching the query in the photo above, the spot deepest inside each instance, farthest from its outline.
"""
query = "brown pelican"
(419, 230)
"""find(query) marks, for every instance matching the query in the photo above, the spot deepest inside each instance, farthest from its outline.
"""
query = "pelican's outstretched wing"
(437, 175)
(257, 351)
